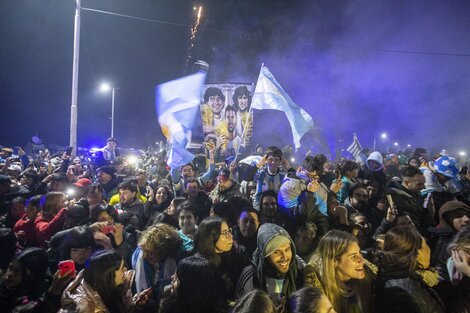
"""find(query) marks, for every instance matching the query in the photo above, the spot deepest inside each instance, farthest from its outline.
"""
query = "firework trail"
(194, 30)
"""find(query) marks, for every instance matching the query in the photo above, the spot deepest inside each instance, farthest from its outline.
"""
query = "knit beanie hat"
(275, 243)
(108, 169)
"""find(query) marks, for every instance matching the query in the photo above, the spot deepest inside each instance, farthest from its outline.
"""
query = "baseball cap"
(83, 183)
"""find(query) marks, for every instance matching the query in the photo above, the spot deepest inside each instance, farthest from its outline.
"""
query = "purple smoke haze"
(401, 67)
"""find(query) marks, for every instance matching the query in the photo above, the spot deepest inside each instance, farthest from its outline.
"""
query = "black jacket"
(400, 291)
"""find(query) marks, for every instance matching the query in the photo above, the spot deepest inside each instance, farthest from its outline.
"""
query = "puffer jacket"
(81, 297)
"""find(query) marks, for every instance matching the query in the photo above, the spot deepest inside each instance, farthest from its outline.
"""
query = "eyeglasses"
(226, 233)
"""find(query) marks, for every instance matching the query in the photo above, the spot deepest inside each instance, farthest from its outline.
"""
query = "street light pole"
(112, 113)
(76, 58)
(105, 88)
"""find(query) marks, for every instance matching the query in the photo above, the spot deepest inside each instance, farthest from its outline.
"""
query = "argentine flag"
(177, 106)
(269, 94)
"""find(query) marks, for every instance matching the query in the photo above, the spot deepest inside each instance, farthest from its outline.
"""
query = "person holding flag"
(177, 105)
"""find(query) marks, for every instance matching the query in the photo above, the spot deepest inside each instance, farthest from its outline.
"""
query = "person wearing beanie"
(453, 216)
(275, 267)
(106, 176)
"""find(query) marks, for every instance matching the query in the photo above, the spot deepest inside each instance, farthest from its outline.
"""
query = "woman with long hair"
(400, 289)
(196, 288)
(158, 200)
(338, 268)
(214, 241)
(51, 218)
(103, 286)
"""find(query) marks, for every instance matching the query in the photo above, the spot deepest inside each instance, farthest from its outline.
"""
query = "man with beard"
(129, 201)
(275, 267)
(106, 176)
(357, 200)
(408, 200)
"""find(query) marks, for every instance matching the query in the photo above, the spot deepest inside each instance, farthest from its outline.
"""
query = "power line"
(238, 33)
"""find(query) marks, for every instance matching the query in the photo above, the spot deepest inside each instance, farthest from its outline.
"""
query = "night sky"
(401, 67)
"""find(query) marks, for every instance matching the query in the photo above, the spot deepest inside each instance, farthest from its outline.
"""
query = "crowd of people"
(256, 233)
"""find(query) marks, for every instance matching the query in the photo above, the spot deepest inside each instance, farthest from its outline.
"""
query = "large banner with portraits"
(226, 118)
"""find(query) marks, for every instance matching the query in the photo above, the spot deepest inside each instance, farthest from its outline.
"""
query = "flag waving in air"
(355, 148)
(177, 105)
(269, 94)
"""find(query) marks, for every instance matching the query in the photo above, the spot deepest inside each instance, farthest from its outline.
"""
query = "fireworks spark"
(194, 30)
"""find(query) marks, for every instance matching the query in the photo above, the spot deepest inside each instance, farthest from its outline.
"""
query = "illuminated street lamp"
(105, 88)
(383, 136)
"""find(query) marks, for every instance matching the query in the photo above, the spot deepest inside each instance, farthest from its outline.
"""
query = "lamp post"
(383, 136)
(76, 58)
(105, 87)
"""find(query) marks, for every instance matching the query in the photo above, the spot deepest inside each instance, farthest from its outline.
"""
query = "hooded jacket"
(261, 275)
(377, 157)
(378, 175)
(444, 234)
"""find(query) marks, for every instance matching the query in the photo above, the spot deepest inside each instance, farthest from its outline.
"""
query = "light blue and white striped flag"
(177, 105)
(355, 148)
(269, 94)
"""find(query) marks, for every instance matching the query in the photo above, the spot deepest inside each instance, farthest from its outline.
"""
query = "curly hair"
(163, 238)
